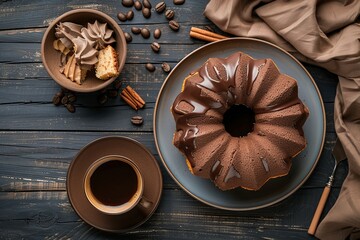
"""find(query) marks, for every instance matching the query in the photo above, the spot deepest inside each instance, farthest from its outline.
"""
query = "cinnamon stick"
(132, 98)
(205, 35)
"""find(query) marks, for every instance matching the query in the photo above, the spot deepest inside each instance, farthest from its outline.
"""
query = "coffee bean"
(71, 98)
(56, 99)
(127, 3)
(160, 7)
(121, 17)
(145, 33)
(135, 30)
(103, 91)
(112, 93)
(128, 37)
(60, 94)
(146, 12)
(64, 100)
(169, 14)
(150, 67)
(157, 33)
(70, 107)
(155, 46)
(117, 85)
(178, 2)
(137, 120)
(165, 67)
(130, 15)
(174, 25)
(138, 5)
(146, 4)
(102, 99)
(208, 28)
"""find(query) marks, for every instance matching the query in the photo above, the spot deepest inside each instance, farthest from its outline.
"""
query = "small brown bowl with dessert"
(83, 50)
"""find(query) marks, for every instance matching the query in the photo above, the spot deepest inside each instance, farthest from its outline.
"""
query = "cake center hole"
(239, 120)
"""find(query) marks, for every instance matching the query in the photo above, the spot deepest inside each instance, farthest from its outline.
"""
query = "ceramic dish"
(51, 57)
(274, 190)
(128, 148)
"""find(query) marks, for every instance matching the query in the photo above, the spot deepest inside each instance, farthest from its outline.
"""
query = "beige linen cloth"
(325, 33)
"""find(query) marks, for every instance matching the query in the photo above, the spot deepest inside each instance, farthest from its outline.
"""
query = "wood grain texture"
(48, 215)
(38, 140)
(38, 161)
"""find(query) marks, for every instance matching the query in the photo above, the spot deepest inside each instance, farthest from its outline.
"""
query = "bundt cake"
(239, 121)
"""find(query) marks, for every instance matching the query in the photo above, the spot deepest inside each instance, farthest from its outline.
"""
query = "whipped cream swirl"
(98, 35)
(66, 32)
(85, 54)
(85, 41)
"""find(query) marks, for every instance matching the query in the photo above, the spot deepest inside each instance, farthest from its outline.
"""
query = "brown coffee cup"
(114, 185)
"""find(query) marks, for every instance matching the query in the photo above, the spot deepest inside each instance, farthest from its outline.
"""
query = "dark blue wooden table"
(38, 140)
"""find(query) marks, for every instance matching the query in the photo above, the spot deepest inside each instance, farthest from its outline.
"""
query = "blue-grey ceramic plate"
(274, 190)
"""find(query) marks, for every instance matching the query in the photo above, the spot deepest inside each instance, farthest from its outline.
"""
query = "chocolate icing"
(220, 76)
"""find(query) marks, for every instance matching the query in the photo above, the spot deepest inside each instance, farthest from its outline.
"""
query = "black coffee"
(114, 183)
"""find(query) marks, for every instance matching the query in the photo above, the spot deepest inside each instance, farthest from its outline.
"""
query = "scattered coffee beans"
(178, 2)
(145, 33)
(130, 15)
(121, 17)
(157, 33)
(103, 91)
(138, 5)
(146, 4)
(174, 25)
(128, 37)
(165, 67)
(57, 99)
(71, 98)
(137, 120)
(102, 99)
(160, 7)
(135, 30)
(70, 107)
(169, 14)
(117, 85)
(146, 12)
(155, 46)
(64, 100)
(150, 67)
(112, 93)
(127, 3)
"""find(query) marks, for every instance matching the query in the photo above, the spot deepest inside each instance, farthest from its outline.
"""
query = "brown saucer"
(114, 146)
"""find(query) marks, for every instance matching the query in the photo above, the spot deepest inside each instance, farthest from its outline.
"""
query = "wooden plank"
(29, 75)
(13, 14)
(137, 53)
(35, 35)
(12, 76)
(114, 117)
(38, 161)
(48, 215)
(29, 35)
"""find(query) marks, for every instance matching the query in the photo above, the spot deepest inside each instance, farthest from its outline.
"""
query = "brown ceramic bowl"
(51, 57)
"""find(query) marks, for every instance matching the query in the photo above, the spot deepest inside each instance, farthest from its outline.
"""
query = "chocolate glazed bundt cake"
(239, 121)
